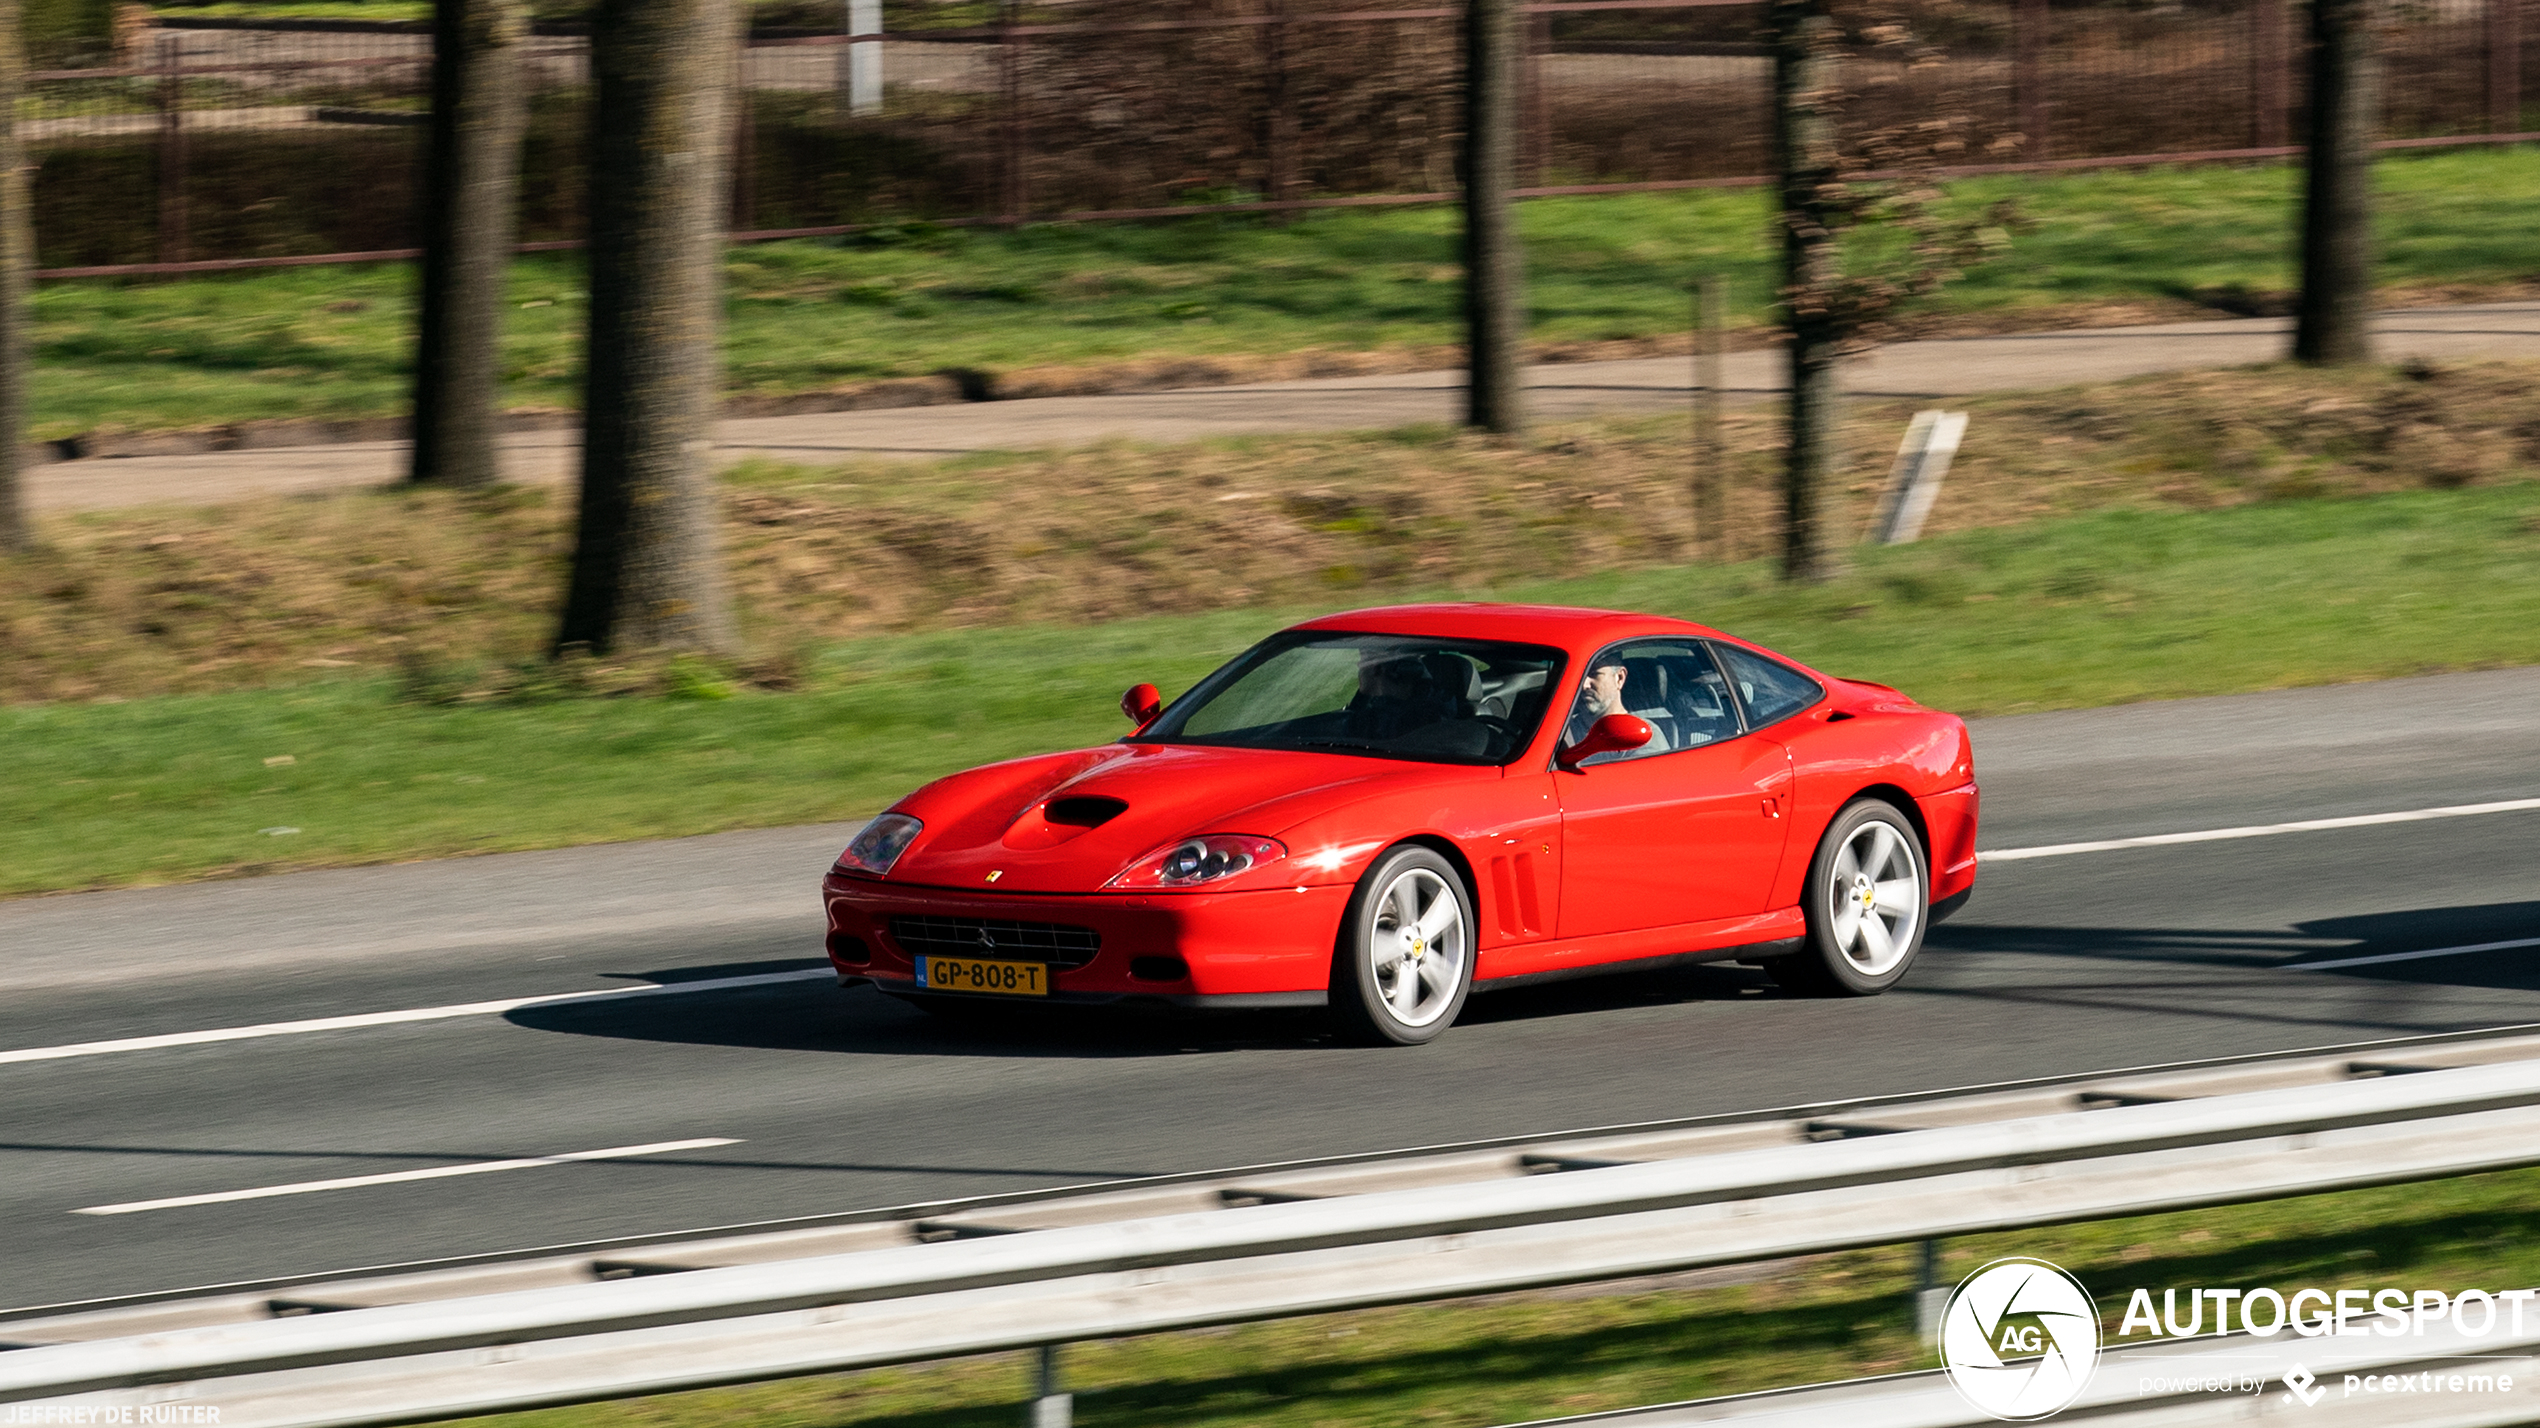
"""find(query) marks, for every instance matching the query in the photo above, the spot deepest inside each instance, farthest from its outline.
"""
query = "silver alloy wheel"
(1875, 897)
(1418, 946)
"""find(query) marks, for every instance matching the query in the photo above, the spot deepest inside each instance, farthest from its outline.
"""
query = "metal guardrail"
(1861, 1182)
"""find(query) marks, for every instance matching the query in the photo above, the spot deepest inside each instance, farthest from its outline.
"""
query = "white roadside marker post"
(860, 65)
(1913, 484)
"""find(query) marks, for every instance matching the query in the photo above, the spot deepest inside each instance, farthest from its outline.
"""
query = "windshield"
(1387, 696)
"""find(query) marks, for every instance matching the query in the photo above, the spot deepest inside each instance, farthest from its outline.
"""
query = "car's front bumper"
(1267, 948)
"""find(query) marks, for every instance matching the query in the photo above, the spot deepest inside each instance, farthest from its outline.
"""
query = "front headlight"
(880, 844)
(1194, 861)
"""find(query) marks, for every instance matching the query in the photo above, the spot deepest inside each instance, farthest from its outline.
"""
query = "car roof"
(1564, 626)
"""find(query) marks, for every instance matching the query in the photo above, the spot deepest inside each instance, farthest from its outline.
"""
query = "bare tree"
(2334, 323)
(1494, 269)
(646, 571)
(17, 255)
(1832, 307)
(478, 107)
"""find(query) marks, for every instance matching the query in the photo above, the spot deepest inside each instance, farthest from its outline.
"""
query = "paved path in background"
(1939, 369)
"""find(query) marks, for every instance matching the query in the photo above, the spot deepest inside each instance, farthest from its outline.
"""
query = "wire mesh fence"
(236, 140)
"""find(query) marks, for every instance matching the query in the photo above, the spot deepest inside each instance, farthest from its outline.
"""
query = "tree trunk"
(478, 107)
(646, 572)
(1804, 150)
(17, 253)
(1494, 277)
(2335, 322)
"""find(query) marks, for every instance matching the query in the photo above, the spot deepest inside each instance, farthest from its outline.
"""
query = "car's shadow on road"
(812, 1014)
(2324, 947)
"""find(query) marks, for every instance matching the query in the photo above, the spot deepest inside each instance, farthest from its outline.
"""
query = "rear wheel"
(1867, 901)
(1405, 959)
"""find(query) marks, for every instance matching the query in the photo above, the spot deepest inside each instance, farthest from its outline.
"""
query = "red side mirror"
(1613, 734)
(1142, 703)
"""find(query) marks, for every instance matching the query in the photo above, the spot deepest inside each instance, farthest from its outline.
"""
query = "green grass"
(333, 341)
(2119, 606)
(1475, 1364)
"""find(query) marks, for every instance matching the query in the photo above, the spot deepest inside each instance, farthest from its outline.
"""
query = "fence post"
(1010, 60)
(2266, 74)
(2504, 66)
(744, 143)
(1276, 129)
(2028, 74)
(1538, 101)
(1710, 455)
(174, 242)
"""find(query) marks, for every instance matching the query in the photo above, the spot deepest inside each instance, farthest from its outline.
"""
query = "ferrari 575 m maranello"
(1384, 811)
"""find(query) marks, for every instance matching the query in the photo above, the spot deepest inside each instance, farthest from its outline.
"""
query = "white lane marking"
(2260, 830)
(400, 1177)
(2413, 956)
(391, 1018)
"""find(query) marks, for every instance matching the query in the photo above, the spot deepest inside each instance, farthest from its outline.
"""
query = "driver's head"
(1604, 688)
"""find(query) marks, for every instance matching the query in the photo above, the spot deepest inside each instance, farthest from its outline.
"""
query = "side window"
(1673, 684)
(1771, 692)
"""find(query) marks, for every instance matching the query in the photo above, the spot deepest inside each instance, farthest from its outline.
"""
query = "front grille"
(1053, 942)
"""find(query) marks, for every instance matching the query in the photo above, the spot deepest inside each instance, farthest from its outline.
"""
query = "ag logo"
(2020, 1339)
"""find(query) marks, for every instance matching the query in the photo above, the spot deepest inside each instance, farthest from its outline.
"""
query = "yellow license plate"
(969, 974)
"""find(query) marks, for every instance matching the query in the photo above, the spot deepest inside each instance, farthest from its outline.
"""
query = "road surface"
(835, 1100)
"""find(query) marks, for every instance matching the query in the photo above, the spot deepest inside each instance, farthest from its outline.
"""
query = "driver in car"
(1602, 694)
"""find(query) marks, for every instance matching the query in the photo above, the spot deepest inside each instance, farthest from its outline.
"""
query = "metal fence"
(221, 141)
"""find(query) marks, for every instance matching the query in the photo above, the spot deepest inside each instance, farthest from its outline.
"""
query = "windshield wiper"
(1353, 745)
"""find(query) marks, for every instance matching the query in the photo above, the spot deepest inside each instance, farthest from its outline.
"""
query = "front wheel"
(1867, 901)
(1405, 958)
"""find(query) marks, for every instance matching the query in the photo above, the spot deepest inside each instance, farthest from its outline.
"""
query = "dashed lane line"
(2257, 830)
(392, 1018)
(401, 1177)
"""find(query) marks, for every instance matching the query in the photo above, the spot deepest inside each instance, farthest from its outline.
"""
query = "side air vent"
(1084, 812)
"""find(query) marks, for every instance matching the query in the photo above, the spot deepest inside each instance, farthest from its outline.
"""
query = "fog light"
(848, 950)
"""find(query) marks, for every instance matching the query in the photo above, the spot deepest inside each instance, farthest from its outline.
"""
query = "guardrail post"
(1050, 1407)
(1932, 1299)
(173, 240)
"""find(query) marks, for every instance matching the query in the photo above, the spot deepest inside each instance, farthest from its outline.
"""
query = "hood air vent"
(1084, 812)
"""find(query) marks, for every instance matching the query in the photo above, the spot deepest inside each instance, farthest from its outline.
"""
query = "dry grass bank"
(453, 588)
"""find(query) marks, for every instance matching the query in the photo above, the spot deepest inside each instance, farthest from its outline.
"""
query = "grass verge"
(2123, 604)
(1519, 1358)
(2113, 246)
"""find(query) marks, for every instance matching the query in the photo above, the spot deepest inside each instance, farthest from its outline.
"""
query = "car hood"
(1069, 823)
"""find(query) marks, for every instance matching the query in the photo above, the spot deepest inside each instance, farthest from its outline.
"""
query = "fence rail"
(243, 142)
(675, 1326)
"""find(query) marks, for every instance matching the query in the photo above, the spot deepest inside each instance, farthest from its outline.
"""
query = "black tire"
(1371, 1007)
(1863, 928)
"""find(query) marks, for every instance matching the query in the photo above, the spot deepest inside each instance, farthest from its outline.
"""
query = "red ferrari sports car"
(1384, 811)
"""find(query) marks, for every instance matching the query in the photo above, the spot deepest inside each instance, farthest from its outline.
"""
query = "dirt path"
(1938, 369)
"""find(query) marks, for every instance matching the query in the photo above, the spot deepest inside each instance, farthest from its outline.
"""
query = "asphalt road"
(1939, 369)
(837, 1100)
